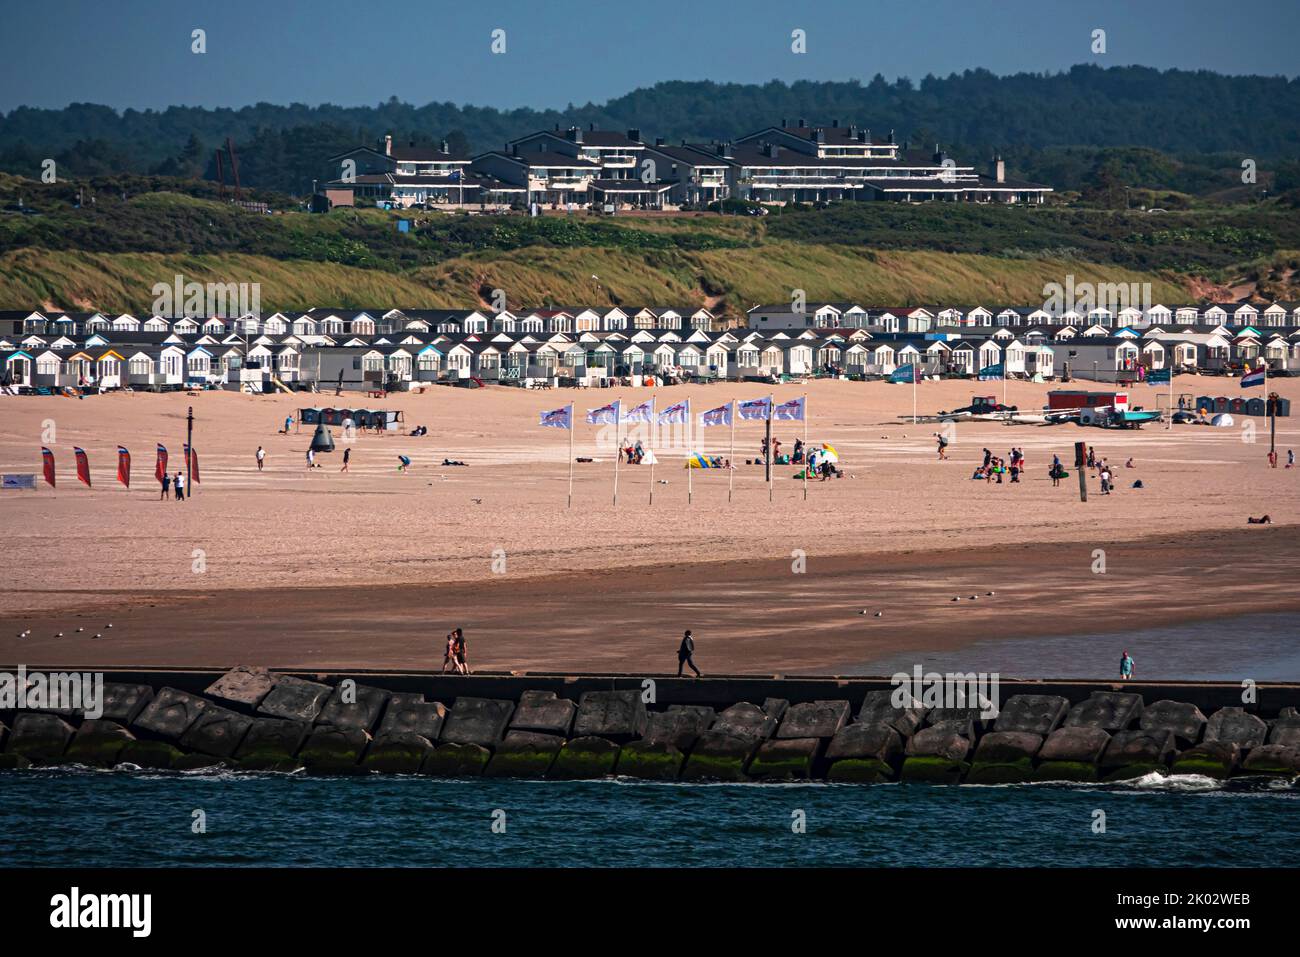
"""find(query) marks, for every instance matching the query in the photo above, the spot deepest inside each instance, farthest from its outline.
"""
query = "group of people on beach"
(176, 482)
(995, 467)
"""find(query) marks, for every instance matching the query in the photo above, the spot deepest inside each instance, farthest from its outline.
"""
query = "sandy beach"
(296, 568)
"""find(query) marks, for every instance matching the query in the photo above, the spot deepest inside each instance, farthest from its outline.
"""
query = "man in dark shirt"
(685, 655)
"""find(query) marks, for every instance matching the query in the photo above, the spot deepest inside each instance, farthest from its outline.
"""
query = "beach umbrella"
(1223, 420)
(828, 454)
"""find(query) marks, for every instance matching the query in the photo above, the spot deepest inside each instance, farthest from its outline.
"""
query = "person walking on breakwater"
(449, 657)
(1125, 666)
(461, 663)
(686, 655)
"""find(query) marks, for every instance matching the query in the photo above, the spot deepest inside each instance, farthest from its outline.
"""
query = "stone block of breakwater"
(242, 687)
(410, 713)
(937, 754)
(1110, 711)
(776, 707)
(1005, 757)
(745, 720)
(524, 754)
(678, 726)
(814, 719)
(124, 702)
(976, 718)
(1039, 714)
(353, 706)
(544, 712)
(785, 759)
(719, 756)
(157, 755)
(170, 715)
(295, 699)
(400, 752)
(1071, 754)
(650, 760)
(1274, 760)
(98, 743)
(39, 736)
(1181, 719)
(217, 731)
(1236, 726)
(272, 744)
(617, 715)
(1286, 732)
(864, 753)
(1214, 759)
(4, 733)
(330, 749)
(878, 708)
(456, 761)
(1134, 754)
(13, 762)
(481, 721)
(585, 758)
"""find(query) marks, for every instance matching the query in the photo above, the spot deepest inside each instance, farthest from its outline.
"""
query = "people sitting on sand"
(419, 430)
(797, 458)
(454, 462)
(1262, 520)
(1129, 464)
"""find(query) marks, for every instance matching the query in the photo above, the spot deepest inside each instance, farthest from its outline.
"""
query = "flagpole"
(618, 444)
(653, 429)
(805, 446)
(1170, 424)
(771, 452)
(571, 431)
(731, 456)
(690, 441)
(916, 371)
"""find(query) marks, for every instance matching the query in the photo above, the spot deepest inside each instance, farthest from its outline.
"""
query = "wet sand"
(749, 616)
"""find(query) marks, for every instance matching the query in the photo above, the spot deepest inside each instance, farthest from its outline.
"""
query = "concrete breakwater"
(661, 728)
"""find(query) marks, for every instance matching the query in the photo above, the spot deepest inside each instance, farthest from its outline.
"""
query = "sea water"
(1262, 647)
(123, 818)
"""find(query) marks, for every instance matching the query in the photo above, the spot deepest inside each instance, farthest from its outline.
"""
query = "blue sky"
(136, 53)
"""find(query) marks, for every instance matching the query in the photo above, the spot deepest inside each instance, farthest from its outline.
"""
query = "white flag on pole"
(719, 416)
(790, 411)
(606, 414)
(678, 414)
(756, 408)
(558, 418)
(645, 412)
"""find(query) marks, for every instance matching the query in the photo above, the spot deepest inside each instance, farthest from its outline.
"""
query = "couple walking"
(455, 655)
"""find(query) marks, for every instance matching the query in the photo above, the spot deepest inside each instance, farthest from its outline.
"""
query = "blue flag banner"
(1159, 376)
(995, 371)
(903, 373)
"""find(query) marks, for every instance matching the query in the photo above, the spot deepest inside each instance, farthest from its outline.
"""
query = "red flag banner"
(83, 465)
(160, 468)
(192, 460)
(124, 466)
(47, 459)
